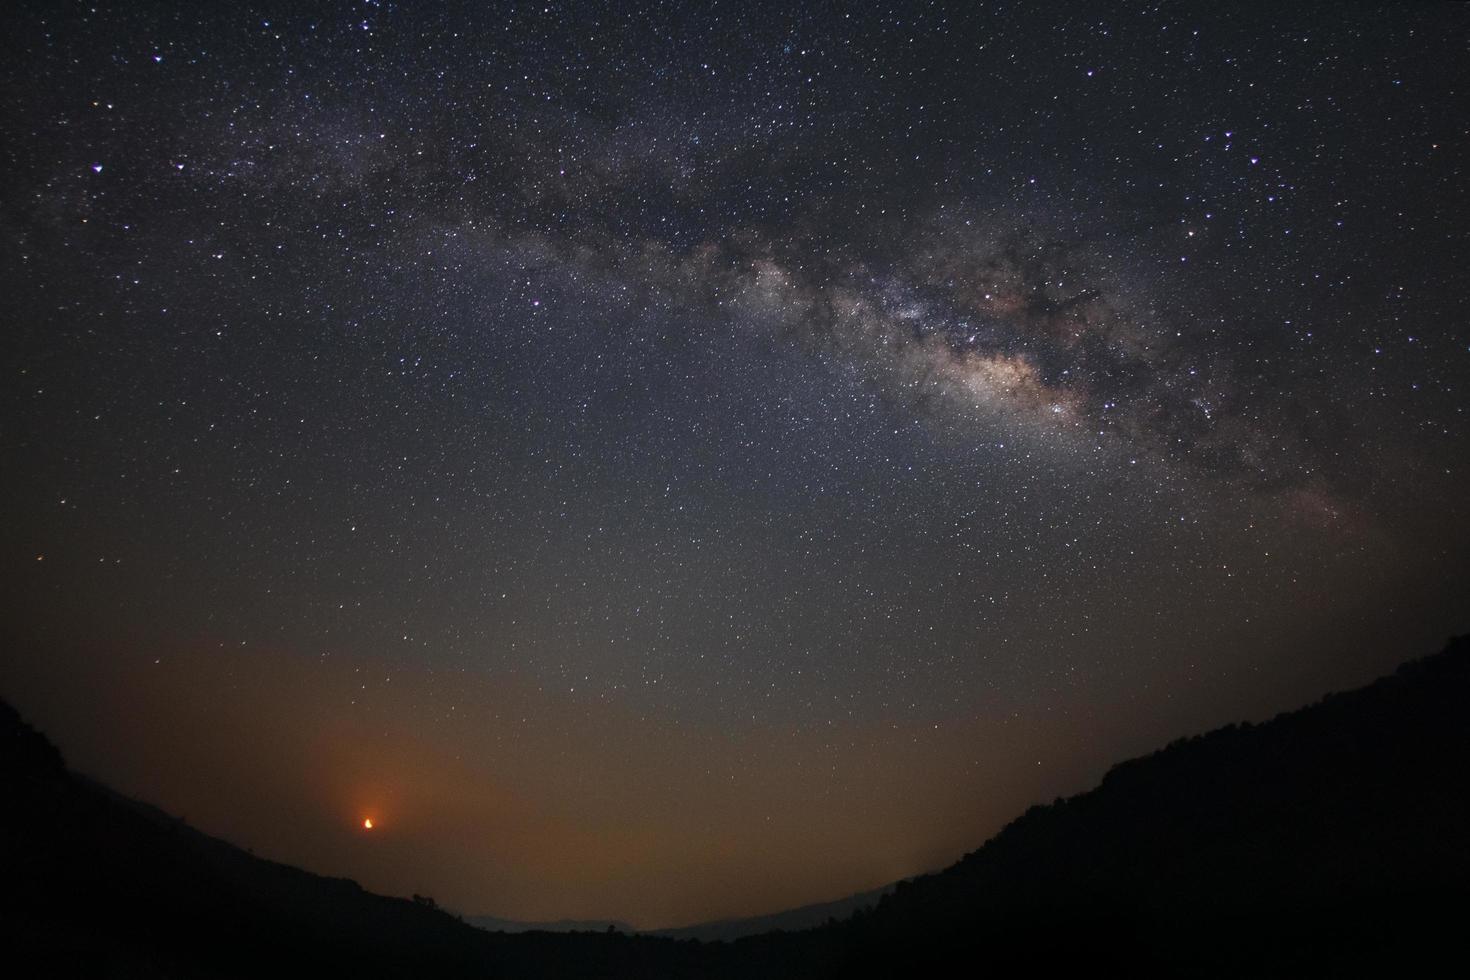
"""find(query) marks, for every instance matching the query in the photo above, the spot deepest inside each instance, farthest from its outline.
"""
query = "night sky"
(668, 462)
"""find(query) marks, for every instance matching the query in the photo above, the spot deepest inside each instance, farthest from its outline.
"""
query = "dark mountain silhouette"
(95, 884)
(1329, 841)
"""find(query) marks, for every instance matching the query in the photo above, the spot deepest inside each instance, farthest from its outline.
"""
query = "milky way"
(671, 463)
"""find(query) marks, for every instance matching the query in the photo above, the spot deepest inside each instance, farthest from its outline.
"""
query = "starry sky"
(664, 462)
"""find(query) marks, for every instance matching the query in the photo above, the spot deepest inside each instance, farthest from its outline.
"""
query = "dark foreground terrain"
(1334, 840)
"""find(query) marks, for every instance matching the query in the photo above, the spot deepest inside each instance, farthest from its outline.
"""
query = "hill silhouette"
(1328, 841)
(99, 885)
(1325, 840)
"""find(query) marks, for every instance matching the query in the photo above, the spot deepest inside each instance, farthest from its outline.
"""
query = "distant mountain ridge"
(1328, 841)
(788, 920)
(719, 930)
(492, 923)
